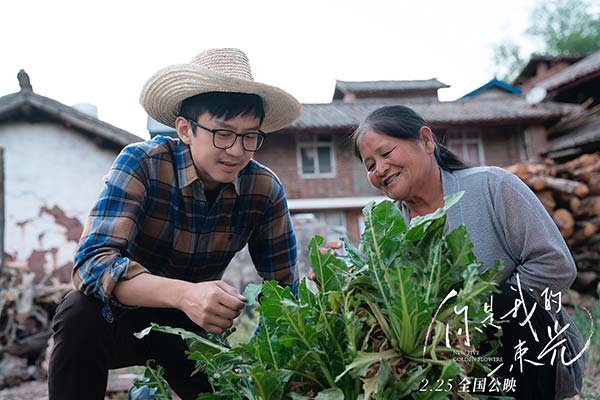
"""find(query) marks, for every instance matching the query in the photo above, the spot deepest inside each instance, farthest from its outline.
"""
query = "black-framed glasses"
(225, 138)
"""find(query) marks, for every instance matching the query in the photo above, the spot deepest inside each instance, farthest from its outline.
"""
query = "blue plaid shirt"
(153, 217)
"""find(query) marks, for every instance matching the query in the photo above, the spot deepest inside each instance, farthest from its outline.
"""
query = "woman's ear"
(427, 139)
(184, 130)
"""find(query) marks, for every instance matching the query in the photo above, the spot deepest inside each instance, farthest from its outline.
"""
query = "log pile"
(570, 192)
(26, 309)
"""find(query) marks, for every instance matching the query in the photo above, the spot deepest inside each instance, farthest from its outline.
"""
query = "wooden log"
(563, 200)
(564, 221)
(562, 185)
(595, 221)
(536, 183)
(547, 199)
(586, 172)
(587, 228)
(578, 163)
(568, 201)
(590, 206)
(574, 204)
(31, 346)
(594, 184)
(529, 169)
(583, 231)
(594, 241)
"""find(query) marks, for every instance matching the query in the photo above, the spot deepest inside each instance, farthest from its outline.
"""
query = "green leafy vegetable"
(152, 384)
(406, 311)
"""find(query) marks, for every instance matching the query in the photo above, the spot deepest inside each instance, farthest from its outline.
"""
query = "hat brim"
(164, 92)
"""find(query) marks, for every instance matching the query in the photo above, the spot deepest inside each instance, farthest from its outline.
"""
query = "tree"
(508, 60)
(566, 26)
(562, 26)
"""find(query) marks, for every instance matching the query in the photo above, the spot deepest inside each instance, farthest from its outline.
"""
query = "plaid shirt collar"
(186, 171)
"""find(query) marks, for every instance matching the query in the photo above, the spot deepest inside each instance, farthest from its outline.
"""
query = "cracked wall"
(52, 176)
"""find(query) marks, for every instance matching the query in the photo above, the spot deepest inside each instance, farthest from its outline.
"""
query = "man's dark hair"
(223, 105)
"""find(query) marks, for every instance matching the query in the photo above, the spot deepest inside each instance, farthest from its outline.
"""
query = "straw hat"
(215, 70)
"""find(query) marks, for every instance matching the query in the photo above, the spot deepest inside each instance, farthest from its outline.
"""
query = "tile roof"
(465, 112)
(581, 136)
(530, 69)
(377, 86)
(588, 66)
(29, 106)
(494, 83)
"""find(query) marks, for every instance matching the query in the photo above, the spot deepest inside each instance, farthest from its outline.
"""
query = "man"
(171, 216)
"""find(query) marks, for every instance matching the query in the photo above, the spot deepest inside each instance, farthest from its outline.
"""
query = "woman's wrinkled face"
(397, 167)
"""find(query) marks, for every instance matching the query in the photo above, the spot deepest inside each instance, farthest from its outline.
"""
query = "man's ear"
(184, 130)
(427, 138)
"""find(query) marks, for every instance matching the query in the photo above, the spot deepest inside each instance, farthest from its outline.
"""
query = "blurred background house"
(577, 83)
(492, 125)
(54, 158)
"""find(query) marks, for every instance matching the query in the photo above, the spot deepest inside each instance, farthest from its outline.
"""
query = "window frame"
(460, 137)
(314, 141)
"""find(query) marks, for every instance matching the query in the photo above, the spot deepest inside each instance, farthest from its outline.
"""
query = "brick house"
(315, 161)
(326, 183)
(541, 67)
(578, 83)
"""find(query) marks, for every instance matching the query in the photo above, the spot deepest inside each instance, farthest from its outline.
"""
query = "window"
(467, 144)
(316, 157)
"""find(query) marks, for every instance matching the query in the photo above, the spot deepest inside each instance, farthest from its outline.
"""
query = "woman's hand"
(324, 249)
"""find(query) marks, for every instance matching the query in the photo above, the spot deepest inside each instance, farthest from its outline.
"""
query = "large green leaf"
(384, 230)
(327, 268)
(200, 343)
(364, 360)
(434, 221)
(269, 385)
(374, 327)
(461, 248)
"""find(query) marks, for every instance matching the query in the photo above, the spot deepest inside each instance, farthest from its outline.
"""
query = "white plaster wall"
(47, 165)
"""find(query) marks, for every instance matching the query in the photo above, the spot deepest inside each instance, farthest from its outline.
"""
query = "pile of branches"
(570, 192)
(26, 310)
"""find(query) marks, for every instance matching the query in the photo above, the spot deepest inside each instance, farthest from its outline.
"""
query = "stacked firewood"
(26, 310)
(570, 192)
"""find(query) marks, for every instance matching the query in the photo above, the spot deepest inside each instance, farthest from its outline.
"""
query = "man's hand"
(211, 305)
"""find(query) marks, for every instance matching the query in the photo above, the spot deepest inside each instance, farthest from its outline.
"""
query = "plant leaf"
(251, 293)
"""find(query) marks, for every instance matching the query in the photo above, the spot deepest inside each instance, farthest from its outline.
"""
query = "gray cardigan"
(506, 221)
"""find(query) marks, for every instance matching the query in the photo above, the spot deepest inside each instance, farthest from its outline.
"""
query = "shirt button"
(107, 314)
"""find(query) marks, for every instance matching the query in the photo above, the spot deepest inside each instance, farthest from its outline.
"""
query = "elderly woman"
(505, 221)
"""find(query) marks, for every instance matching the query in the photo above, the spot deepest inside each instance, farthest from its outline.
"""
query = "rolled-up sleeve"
(272, 245)
(101, 259)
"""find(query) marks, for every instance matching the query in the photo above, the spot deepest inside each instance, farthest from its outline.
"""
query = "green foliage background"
(560, 26)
